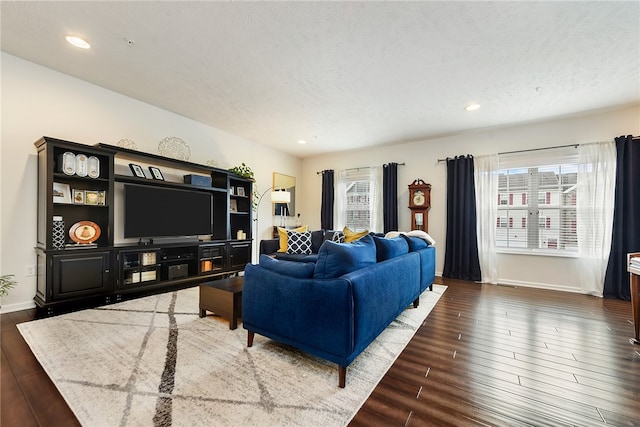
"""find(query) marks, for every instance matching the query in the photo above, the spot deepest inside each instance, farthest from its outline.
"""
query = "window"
(358, 211)
(359, 199)
(547, 189)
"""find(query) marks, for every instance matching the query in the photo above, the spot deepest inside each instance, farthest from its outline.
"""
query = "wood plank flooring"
(507, 356)
(486, 355)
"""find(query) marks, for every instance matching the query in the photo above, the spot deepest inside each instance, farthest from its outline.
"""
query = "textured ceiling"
(343, 75)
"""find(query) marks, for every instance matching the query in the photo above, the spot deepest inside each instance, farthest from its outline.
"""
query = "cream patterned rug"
(153, 361)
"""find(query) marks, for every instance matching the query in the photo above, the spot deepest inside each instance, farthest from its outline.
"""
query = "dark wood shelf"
(64, 176)
(161, 160)
(159, 183)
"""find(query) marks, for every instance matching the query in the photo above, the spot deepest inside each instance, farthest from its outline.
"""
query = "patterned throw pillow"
(338, 237)
(298, 243)
(282, 235)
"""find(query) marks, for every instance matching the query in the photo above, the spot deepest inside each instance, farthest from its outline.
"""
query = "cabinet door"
(77, 275)
(239, 255)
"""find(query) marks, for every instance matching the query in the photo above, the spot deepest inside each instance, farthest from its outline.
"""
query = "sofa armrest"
(269, 246)
(427, 267)
(313, 315)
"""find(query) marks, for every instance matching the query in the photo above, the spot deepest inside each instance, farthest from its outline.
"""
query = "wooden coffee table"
(223, 297)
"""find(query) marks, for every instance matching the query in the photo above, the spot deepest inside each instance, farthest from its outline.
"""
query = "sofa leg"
(249, 338)
(431, 287)
(342, 376)
(416, 303)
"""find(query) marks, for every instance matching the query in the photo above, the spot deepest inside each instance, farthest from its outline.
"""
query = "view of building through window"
(358, 205)
(537, 208)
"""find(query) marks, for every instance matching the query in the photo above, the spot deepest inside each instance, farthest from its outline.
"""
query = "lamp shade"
(280, 197)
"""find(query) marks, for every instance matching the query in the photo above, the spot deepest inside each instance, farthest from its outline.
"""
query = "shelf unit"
(240, 208)
(104, 271)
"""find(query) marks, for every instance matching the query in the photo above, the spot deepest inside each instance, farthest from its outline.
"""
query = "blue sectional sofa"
(335, 307)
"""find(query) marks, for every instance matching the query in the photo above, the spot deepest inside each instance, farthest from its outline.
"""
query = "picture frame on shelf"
(232, 190)
(137, 170)
(241, 191)
(78, 197)
(91, 197)
(102, 198)
(61, 193)
(156, 173)
(233, 205)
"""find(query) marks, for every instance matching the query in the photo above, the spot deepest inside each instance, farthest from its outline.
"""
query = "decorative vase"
(57, 237)
(298, 221)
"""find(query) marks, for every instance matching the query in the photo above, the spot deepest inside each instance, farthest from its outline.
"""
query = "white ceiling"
(343, 75)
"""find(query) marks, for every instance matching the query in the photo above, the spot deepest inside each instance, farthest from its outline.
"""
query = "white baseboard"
(549, 286)
(17, 307)
(538, 285)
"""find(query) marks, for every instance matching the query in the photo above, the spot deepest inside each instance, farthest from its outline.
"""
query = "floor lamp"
(277, 196)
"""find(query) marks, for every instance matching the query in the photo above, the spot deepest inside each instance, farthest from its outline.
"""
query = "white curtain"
(594, 210)
(344, 181)
(340, 204)
(486, 185)
(377, 219)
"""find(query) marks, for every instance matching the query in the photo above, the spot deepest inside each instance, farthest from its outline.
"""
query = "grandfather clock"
(419, 203)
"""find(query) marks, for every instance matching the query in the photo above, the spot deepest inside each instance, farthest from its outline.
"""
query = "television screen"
(151, 211)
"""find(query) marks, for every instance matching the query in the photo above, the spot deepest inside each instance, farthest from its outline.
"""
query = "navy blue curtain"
(326, 209)
(626, 217)
(390, 197)
(461, 259)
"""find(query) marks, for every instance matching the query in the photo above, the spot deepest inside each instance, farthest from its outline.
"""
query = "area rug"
(153, 361)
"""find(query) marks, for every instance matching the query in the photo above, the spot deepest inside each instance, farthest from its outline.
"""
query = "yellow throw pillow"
(350, 235)
(282, 234)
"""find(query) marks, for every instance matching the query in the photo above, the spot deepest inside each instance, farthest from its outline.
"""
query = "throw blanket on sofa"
(413, 233)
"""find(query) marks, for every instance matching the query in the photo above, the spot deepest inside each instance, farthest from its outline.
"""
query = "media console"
(78, 201)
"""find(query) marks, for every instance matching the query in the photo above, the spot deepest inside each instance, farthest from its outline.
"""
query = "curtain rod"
(364, 167)
(525, 151)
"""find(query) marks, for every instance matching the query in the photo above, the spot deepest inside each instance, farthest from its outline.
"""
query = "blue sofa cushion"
(298, 243)
(299, 270)
(298, 258)
(390, 248)
(415, 243)
(337, 259)
(317, 238)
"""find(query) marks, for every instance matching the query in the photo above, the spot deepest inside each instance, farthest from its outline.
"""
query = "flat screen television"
(151, 211)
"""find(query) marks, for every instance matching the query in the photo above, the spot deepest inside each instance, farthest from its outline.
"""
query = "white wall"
(421, 162)
(38, 101)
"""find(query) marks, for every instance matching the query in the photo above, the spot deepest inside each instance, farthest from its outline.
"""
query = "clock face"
(418, 198)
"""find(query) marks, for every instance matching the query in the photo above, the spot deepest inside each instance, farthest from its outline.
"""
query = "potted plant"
(6, 284)
(245, 171)
(242, 170)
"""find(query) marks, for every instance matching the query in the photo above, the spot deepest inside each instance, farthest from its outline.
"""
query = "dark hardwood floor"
(486, 355)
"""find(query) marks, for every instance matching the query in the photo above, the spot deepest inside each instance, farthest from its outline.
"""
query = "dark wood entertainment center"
(71, 274)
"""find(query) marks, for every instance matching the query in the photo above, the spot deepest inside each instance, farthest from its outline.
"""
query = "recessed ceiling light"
(472, 107)
(302, 141)
(78, 42)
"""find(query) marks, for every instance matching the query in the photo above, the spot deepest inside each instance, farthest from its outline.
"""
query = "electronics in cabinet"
(178, 271)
